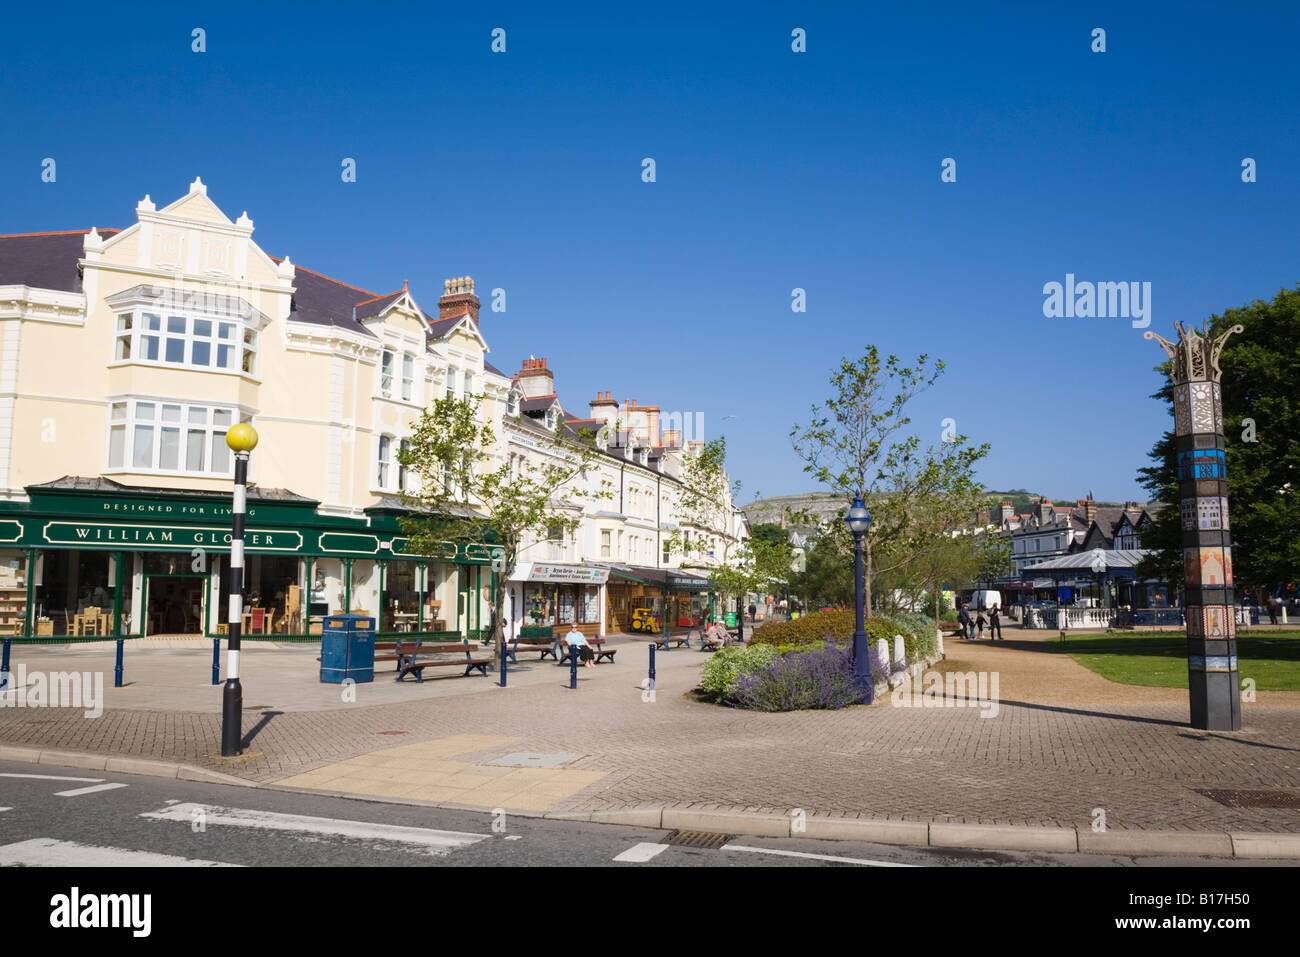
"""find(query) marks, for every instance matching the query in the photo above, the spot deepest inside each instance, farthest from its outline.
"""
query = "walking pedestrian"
(979, 623)
(1272, 604)
(963, 620)
(995, 624)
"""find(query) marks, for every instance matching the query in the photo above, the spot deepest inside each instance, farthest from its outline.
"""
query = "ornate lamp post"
(1213, 681)
(858, 519)
(242, 439)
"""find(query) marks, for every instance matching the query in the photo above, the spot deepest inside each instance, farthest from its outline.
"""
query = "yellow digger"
(643, 619)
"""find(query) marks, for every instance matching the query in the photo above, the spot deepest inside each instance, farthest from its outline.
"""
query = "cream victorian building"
(126, 354)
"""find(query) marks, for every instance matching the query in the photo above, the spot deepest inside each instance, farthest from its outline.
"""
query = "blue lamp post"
(858, 519)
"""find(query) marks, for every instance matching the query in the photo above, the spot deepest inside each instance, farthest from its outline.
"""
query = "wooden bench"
(597, 645)
(545, 645)
(667, 638)
(408, 654)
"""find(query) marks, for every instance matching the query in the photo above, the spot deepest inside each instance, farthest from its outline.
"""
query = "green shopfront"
(91, 557)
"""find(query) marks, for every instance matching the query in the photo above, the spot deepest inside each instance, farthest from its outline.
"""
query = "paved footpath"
(1063, 741)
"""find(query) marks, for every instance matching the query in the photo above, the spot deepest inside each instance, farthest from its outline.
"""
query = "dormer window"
(512, 403)
(550, 418)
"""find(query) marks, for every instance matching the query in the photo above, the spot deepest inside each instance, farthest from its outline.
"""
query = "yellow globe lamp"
(242, 438)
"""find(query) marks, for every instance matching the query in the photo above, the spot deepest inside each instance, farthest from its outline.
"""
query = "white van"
(983, 600)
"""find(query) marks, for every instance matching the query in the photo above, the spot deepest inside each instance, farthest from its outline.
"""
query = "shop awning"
(672, 579)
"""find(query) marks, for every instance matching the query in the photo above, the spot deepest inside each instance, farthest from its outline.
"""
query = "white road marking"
(433, 841)
(47, 777)
(815, 857)
(77, 792)
(47, 852)
(640, 853)
(513, 837)
(2, 809)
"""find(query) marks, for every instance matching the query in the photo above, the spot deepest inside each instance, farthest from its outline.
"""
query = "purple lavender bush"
(821, 678)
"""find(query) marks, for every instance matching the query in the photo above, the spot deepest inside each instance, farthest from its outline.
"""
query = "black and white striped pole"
(242, 439)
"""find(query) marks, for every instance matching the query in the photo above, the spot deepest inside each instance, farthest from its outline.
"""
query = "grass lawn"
(1159, 659)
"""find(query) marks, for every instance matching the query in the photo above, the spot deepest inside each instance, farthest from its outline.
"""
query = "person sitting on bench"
(578, 646)
(717, 634)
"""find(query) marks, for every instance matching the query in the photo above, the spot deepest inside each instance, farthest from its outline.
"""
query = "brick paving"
(1063, 742)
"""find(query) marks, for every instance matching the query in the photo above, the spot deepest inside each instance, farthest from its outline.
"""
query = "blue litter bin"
(347, 649)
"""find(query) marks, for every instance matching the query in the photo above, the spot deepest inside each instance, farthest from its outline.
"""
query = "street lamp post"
(858, 519)
(242, 439)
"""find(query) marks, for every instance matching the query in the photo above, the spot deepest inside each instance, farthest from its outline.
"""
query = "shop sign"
(466, 553)
(167, 536)
(580, 574)
(348, 543)
(679, 583)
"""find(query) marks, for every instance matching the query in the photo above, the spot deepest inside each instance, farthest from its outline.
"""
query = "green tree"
(705, 494)
(467, 492)
(851, 435)
(1261, 418)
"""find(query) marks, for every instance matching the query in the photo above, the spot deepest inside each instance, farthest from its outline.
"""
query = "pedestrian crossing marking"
(48, 852)
(431, 840)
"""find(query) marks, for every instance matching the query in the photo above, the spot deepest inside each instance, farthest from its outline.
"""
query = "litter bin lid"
(349, 620)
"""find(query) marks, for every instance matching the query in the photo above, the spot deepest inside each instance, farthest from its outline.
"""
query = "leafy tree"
(467, 492)
(850, 437)
(704, 501)
(1261, 417)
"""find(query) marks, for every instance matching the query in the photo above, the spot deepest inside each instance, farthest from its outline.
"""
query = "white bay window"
(173, 437)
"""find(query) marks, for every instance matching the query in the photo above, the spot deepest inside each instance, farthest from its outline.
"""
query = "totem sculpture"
(1209, 610)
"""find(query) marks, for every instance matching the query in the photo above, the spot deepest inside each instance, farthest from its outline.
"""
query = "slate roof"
(539, 404)
(373, 307)
(323, 301)
(494, 370)
(44, 260)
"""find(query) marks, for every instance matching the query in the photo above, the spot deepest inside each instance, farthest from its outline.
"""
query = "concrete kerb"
(100, 762)
(990, 837)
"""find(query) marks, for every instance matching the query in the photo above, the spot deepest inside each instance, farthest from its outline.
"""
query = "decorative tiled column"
(1207, 547)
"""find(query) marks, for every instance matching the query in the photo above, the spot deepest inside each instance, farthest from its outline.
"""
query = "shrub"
(806, 629)
(723, 670)
(819, 678)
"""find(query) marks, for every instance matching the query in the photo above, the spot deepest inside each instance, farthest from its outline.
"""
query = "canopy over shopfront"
(559, 596)
(97, 557)
(1096, 570)
(685, 597)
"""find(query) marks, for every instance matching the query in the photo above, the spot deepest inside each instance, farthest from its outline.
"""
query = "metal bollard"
(501, 643)
(573, 666)
(652, 667)
(4, 666)
(216, 661)
(117, 670)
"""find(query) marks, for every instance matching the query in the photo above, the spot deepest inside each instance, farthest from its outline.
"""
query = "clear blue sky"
(775, 170)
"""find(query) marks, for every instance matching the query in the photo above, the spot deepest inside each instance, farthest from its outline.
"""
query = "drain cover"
(705, 839)
(1269, 799)
(529, 759)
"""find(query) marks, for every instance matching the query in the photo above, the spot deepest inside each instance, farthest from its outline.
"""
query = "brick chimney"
(1008, 511)
(606, 409)
(636, 419)
(1089, 509)
(535, 379)
(458, 299)
(1044, 511)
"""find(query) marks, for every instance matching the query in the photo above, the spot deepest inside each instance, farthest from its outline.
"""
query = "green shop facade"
(85, 557)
